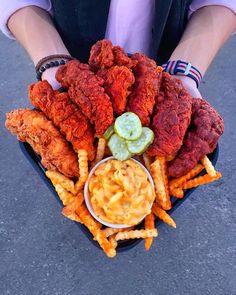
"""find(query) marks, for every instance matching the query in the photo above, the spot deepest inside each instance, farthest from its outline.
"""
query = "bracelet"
(46, 63)
(179, 67)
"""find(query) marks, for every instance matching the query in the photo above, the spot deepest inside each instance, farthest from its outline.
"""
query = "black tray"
(34, 159)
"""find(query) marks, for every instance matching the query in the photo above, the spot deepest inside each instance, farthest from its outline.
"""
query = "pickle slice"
(128, 126)
(118, 148)
(139, 145)
(108, 133)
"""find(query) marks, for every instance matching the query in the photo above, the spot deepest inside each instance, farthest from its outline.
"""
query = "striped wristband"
(179, 67)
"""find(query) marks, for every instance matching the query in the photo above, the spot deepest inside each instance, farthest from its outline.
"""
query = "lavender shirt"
(129, 22)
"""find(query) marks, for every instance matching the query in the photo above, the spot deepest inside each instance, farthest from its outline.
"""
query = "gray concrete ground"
(43, 253)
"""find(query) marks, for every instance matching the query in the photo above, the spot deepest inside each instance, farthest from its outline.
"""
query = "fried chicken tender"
(65, 115)
(33, 127)
(146, 87)
(201, 139)
(117, 84)
(85, 89)
(104, 55)
(171, 117)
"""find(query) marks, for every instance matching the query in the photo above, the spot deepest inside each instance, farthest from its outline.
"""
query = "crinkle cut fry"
(177, 192)
(69, 210)
(94, 228)
(208, 166)
(65, 196)
(109, 231)
(58, 178)
(83, 169)
(178, 181)
(160, 213)
(112, 240)
(137, 234)
(200, 180)
(159, 174)
(100, 150)
(149, 223)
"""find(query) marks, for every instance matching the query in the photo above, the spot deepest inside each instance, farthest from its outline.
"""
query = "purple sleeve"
(8, 7)
(197, 4)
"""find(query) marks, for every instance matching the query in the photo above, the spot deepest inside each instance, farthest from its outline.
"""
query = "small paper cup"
(87, 198)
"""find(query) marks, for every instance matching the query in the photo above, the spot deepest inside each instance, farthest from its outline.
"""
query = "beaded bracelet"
(46, 63)
(179, 67)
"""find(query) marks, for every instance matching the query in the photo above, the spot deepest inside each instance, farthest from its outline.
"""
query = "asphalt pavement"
(41, 252)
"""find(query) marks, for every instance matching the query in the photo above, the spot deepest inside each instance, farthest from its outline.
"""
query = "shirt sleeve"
(9, 7)
(197, 4)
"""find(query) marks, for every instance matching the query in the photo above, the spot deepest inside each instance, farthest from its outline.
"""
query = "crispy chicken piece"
(147, 82)
(113, 65)
(33, 127)
(85, 89)
(117, 83)
(202, 136)
(104, 55)
(171, 117)
(65, 114)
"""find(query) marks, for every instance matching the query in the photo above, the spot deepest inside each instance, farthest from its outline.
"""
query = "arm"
(34, 29)
(206, 32)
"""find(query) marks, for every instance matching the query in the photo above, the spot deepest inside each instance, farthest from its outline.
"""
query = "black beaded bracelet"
(48, 65)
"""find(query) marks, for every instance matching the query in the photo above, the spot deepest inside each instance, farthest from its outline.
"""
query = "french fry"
(69, 210)
(147, 161)
(65, 196)
(83, 169)
(137, 234)
(178, 181)
(200, 180)
(159, 175)
(177, 192)
(58, 178)
(109, 231)
(113, 241)
(160, 213)
(94, 227)
(100, 150)
(149, 223)
(208, 166)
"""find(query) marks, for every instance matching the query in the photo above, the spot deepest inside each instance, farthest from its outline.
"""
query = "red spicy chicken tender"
(85, 89)
(171, 117)
(202, 136)
(113, 65)
(117, 83)
(147, 82)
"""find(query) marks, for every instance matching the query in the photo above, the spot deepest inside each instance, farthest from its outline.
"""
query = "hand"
(49, 75)
(190, 85)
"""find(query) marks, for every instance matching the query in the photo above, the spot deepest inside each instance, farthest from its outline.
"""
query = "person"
(185, 33)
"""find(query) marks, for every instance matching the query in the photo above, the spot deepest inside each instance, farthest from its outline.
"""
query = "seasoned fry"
(178, 181)
(200, 180)
(147, 161)
(158, 171)
(94, 227)
(160, 213)
(83, 169)
(149, 223)
(100, 150)
(109, 231)
(208, 166)
(69, 210)
(65, 196)
(177, 192)
(58, 178)
(137, 234)
(113, 241)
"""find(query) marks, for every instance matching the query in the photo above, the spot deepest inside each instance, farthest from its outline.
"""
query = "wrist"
(50, 76)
